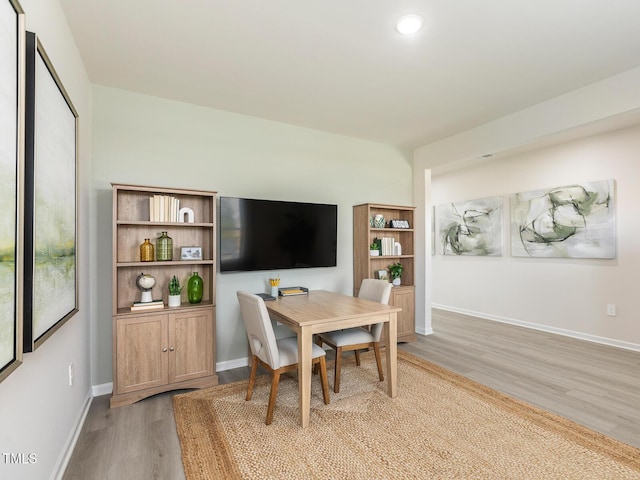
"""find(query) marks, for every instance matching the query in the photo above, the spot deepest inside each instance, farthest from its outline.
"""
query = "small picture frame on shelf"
(191, 253)
(382, 275)
(399, 224)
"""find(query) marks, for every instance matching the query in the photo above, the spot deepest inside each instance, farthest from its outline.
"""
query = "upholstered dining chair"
(276, 356)
(358, 338)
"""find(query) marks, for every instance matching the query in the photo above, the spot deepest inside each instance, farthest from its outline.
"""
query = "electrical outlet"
(71, 374)
(611, 310)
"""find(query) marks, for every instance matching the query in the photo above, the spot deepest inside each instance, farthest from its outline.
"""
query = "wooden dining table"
(322, 311)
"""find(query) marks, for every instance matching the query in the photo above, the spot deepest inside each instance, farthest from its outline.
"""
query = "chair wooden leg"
(338, 366)
(318, 341)
(376, 350)
(252, 377)
(275, 381)
(357, 352)
(323, 379)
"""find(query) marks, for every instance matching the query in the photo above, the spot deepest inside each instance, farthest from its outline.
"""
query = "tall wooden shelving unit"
(366, 266)
(171, 348)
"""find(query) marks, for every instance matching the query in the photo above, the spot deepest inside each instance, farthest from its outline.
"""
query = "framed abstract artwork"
(573, 221)
(51, 271)
(473, 227)
(12, 37)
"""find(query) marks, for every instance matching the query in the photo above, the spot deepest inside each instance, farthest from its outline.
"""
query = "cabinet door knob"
(172, 349)
(164, 349)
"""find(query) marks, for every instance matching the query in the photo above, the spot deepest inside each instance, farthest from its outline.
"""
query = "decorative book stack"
(152, 305)
(163, 208)
(386, 245)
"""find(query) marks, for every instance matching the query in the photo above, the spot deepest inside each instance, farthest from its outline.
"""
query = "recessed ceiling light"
(409, 24)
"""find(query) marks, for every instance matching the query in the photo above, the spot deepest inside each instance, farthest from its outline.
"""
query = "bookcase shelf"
(367, 266)
(162, 349)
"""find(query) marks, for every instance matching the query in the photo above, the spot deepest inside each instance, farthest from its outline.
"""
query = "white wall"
(145, 140)
(38, 410)
(614, 101)
(567, 295)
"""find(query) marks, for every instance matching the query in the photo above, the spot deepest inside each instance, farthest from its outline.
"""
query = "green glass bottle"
(164, 247)
(195, 288)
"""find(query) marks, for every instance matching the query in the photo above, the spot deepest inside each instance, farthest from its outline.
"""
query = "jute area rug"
(440, 426)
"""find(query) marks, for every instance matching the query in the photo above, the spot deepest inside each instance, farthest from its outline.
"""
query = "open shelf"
(157, 350)
(367, 266)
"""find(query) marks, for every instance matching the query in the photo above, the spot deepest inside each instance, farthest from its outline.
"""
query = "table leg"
(391, 352)
(304, 374)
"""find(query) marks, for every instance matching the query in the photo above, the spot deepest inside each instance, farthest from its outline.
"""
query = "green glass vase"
(195, 288)
(164, 247)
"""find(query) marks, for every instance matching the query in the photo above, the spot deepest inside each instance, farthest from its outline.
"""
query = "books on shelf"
(386, 245)
(153, 305)
(163, 208)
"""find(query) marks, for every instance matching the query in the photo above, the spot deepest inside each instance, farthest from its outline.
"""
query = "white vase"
(174, 300)
(374, 253)
(396, 281)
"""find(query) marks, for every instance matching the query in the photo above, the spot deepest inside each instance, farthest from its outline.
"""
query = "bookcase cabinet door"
(141, 353)
(190, 345)
(404, 297)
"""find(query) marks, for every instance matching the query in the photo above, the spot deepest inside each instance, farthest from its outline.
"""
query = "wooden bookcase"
(170, 348)
(366, 266)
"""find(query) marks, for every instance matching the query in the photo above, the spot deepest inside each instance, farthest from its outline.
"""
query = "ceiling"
(339, 66)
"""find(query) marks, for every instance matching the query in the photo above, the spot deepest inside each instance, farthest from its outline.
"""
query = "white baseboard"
(103, 389)
(424, 331)
(70, 444)
(231, 364)
(107, 388)
(544, 328)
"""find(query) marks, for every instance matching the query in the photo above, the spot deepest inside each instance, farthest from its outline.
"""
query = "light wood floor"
(595, 385)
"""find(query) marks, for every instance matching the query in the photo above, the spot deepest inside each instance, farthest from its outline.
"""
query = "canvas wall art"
(11, 163)
(573, 221)
(51, 295)
(473, 227)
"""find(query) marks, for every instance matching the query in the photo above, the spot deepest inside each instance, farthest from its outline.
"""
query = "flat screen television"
(275, 235)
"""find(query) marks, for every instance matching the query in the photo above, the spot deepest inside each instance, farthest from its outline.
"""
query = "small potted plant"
(395, 269)
(174, 292)
(374, 250)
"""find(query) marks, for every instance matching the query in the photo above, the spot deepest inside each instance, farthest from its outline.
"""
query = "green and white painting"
(53, 288)
(472, 227)
(9, 191)
(573, 221)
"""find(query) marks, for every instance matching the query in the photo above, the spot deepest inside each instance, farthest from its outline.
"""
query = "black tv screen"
(273, 235)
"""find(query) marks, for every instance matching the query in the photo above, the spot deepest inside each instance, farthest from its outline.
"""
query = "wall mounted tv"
(275, 235)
